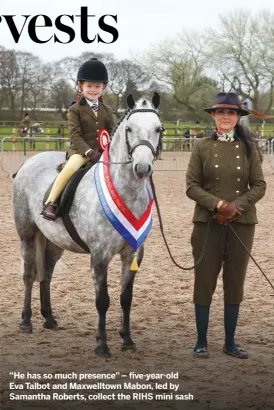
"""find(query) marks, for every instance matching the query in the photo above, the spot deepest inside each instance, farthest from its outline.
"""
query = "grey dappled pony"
(43, 242)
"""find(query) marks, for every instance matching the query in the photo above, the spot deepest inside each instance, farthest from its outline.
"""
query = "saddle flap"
(65, 200)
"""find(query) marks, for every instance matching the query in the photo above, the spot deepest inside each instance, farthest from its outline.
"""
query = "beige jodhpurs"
(75, 162)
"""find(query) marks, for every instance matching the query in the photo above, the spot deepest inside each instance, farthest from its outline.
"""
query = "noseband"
(130, 148)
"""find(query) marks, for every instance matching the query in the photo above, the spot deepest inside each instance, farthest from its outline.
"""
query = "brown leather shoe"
(50, 211)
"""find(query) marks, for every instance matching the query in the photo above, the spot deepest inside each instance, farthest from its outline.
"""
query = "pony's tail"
(40, 250)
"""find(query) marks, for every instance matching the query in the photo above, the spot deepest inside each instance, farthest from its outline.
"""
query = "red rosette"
(103, 139)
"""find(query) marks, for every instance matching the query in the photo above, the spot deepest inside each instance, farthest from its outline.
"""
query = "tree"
(9, 76)
(180, 63)
(33, 79)
(60, 89)
(125, 77)
(242, 52)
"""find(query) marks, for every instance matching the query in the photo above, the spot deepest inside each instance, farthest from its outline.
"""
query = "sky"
(140, 23)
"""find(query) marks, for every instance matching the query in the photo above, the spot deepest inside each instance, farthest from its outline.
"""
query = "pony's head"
(143, 132)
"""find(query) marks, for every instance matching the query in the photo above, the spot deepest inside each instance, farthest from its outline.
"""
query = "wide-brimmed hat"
(227, 100)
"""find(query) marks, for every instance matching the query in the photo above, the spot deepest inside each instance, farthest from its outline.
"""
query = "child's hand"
(93, 155)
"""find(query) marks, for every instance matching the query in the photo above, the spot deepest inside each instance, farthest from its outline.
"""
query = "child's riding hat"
(93, 70)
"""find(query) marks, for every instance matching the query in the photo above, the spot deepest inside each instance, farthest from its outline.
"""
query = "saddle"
(65, 201)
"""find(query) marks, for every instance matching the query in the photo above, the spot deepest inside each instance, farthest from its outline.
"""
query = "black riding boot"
(50, 211)
(202, 318)
(231, 313)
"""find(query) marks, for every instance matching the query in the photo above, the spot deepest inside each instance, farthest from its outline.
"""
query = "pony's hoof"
(52, 324)
(128, 346)
(102, 351)
(25, 327)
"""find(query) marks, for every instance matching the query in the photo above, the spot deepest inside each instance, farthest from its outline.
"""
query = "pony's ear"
(156, 100)
(130, 101)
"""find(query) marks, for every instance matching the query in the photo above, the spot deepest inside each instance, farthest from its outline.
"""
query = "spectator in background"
(187, 136)
(60, 133)
(197, 132)
(25, 124)
(61, 130)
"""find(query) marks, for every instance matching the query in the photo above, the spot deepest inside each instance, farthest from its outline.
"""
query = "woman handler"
(225, 179)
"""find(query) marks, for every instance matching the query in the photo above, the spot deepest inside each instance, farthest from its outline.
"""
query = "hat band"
(226, 106)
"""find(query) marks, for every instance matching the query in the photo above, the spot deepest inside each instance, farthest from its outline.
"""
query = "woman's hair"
(245, 135)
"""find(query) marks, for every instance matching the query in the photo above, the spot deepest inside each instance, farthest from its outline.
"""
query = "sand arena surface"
(163, 326)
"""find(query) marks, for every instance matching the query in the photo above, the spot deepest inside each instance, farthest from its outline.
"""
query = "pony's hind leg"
(102, 305)
(52, 254)
(128, 277)
(28, 252)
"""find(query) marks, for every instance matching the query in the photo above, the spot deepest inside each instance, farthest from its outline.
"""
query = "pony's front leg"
(128, 277)
(102, 305)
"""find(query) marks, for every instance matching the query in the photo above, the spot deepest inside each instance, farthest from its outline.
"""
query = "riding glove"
(227, 212)
(93, 155)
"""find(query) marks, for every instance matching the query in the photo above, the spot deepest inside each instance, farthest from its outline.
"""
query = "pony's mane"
(119, 122)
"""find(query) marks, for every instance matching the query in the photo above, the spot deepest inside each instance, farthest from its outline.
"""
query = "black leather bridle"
(130, 148)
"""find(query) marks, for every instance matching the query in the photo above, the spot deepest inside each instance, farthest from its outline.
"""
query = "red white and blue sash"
(133, 230)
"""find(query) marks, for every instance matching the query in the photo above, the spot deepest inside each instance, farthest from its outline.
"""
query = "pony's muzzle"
(142, 170)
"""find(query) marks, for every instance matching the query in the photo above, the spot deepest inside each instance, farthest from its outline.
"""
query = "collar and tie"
(226, 137)
(94, 106)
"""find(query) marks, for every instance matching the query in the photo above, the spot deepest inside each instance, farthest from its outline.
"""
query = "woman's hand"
(227, 212)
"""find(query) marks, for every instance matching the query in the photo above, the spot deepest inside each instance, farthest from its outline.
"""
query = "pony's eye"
(159, 129)
(128, 129)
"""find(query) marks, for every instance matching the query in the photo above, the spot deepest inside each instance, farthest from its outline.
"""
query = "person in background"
(187, 137)
(25, 124)
(197, 131)
(60, 130)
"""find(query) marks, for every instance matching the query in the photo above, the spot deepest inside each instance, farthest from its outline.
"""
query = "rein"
(258, 266)
(164, 238)
(205, 240)
(120, 163)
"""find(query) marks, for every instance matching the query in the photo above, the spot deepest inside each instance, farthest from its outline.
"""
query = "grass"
(6, 131)
(170, 131)
(39, 146)
(185, 125)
